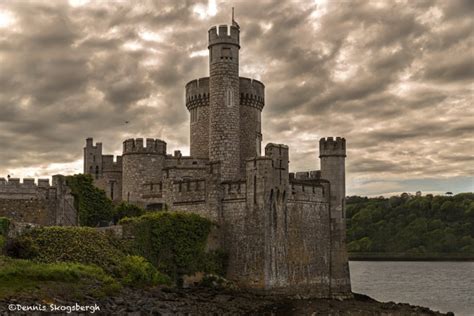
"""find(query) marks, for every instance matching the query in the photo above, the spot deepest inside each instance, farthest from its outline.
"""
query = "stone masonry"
(38, 203)
(284, 232)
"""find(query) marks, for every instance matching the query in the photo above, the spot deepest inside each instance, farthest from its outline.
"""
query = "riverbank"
(396, 256)
(208, 301)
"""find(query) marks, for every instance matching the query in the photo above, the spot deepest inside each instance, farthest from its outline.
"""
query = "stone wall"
(40, 203)
(142, 170)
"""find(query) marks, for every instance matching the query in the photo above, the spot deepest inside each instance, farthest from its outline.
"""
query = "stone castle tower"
(284, 232)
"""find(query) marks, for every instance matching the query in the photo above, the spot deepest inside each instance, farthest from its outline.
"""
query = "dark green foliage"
(70, 244)
(86, 246)
(412, 225)
(136, 271)
(4, 224)
(92, 203)
(24, 277)
(174, 242)
(125, 209)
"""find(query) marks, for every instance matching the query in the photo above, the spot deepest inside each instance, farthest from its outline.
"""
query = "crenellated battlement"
(252, 92)
(197, 93)
(136, 146)
(27, 183)
(224, 34)
(111, 164)
(90, 144)
(332, 147)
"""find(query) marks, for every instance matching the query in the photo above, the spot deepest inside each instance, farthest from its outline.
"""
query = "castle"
(284, 232)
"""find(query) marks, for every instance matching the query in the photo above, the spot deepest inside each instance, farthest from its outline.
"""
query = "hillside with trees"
(411, 226)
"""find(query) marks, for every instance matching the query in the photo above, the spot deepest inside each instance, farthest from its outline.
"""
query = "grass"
(24, 278)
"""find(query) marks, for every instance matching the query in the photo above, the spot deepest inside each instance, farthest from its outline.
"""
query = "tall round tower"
(332, 153)
(224, 109)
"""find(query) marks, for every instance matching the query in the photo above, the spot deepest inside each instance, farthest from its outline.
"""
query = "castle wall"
(142, 171)
(111, 178)
(307, 234)
(40, 203)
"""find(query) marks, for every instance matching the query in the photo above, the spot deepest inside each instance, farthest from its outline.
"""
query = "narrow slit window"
(229, 97)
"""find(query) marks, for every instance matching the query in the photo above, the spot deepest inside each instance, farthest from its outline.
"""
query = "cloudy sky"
(395, 78)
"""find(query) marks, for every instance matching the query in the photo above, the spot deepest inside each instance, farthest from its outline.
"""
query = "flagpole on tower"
(234, 23)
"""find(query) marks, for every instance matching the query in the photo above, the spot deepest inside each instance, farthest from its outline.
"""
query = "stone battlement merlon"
(136, 146)
(332, 147)
(90, 143)
(27, 183)
(224, 34)
(111, 163)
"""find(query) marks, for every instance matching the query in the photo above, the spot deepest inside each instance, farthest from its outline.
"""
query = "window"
(258, 144)
(97, 172)
(111, 190)
(194, 115)
(229, 98)
(226, 54)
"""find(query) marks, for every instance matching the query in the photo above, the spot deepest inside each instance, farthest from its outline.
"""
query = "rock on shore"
(206, 301)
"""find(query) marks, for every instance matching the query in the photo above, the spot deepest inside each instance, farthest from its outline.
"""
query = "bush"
(70, 279)
(136, 271)
(125, 209)
(174, 242)
(86, 246)
(71, 244)
(91, 203)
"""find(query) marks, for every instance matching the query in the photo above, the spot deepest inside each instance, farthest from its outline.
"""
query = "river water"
(442, 286)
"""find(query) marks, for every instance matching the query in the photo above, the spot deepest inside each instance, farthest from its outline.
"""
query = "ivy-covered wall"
(174, 242)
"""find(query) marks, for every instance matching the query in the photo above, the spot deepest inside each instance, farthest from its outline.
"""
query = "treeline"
(411, 224)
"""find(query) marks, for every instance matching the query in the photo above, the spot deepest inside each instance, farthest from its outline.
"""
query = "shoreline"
(224, 301)
(406, 257)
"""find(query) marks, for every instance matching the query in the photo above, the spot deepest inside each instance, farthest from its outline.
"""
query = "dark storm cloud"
(394, 78)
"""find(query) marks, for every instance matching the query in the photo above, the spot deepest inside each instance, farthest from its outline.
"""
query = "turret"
(332, 153)
(224, 109)
(93, 158)
(142, 169)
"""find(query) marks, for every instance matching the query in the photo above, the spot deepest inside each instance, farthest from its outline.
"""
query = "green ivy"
(125, 209)
(91, 203)
(174, 242)
(4, 225)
